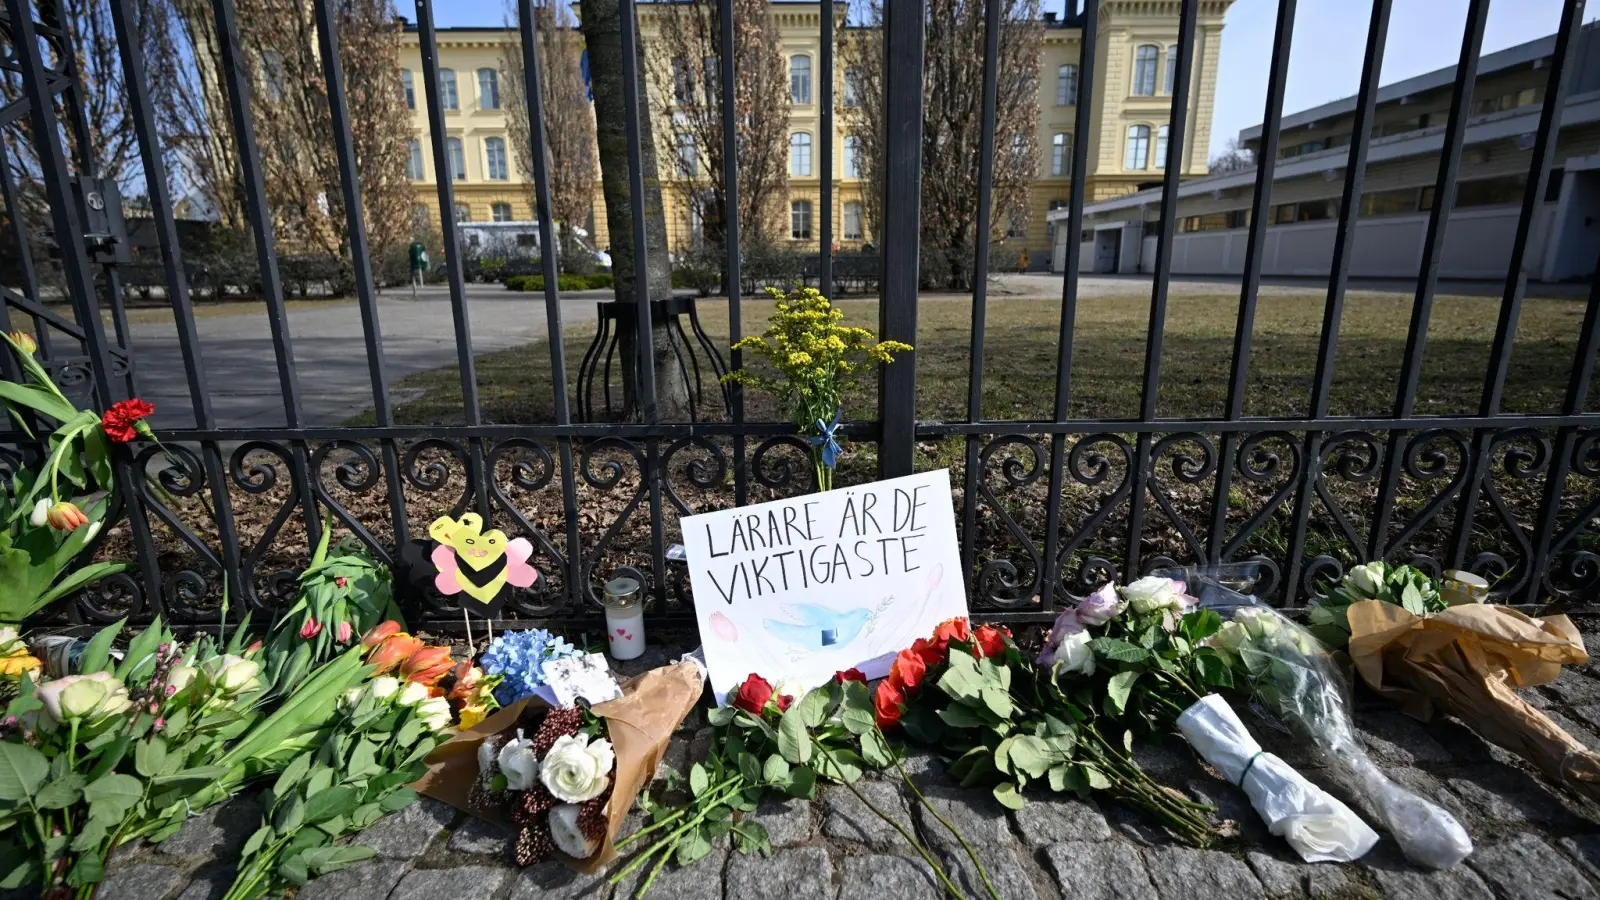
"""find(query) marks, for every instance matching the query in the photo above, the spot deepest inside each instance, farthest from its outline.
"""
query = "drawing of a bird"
(817, 628)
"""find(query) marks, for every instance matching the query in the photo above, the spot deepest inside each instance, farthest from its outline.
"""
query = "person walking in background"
(419, 265)
(1022, 261)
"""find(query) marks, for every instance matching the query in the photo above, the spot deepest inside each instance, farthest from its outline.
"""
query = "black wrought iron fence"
(1049, 507)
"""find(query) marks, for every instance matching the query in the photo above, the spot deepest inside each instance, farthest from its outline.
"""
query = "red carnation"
(907, 670)
(991, 640)
(887, 703)
(124, 420)
(851, 674)
(753, 695)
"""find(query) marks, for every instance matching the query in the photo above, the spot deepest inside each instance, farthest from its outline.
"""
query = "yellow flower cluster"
(815, 359)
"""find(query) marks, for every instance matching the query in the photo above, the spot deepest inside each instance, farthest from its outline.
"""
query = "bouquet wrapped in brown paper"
(564, 779)
(1467, 661)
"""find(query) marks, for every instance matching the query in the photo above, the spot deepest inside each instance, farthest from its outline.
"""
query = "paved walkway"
(1531, 842)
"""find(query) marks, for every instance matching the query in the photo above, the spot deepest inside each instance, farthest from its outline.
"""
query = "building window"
(458, 159)
(800, 220)
(688, 159)
(500, 212)
(1514, 100)
(852, 157)
(1220, 221)
(1060, 152)
(799, 79)
(682, 82)
(1304, 211)
(447, 89)
(1161, 147)
(272, 74)
(1503, 191)
(1049, 225)
(463, 213)
(1389, 203)
(488, 89)
(852, 88)
(408, 89)
(1067, 85)
(414, 161)
(852, 221)
(800, 153)
(1138, 156)
(495, 150)
(1144, 69)
(1172, 66)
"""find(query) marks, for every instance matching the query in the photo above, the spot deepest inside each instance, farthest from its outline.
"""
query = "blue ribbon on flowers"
(826, 440)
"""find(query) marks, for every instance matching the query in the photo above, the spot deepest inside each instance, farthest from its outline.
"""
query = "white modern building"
(1119, 235)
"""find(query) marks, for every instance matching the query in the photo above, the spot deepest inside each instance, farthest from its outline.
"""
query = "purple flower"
(1068, 623)
(1101, 606)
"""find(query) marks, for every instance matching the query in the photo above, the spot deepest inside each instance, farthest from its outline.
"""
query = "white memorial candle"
(624, 618)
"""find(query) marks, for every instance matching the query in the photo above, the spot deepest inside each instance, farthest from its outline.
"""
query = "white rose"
(487, 749)
(792, 688)
(1073, 654)
(566, 834)
(181, 677)
(576, 770)
(40, 514)
(232, 675)
(412, 694)
(350, 699)
(1152, 593)
(1258, 624)
(91, 698)
(383, 687)
(518, 763)
(1366, 581)
(435, 713)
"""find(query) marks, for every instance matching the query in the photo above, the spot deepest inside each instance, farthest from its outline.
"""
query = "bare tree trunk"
(602, 32)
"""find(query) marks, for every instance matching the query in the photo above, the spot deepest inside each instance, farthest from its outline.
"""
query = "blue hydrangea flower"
(520, 656)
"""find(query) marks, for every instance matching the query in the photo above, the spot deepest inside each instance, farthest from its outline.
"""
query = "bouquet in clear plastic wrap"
(1292, 679)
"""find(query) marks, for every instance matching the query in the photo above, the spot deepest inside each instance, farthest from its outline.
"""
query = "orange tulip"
(468, 677)
(66, 516)
(376, 635)
(427, 665)
(392, 651)
(24, 341)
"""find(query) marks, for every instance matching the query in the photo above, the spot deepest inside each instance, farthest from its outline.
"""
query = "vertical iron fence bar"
(427, 43)
(1505, 334)
(644, 341)
(552, 300)
(1566, 444)
(1355, 171)
(1188, 12)
(75, 267)
(904, 32)
(1082, 125)
(360, 255)
(980, 282)
(825, 97)
(730, 221)
(119, 325)
(1244, 327)
(1444, 195)
(19, 228)
(77, 117)
(252, 184)
(155, 173)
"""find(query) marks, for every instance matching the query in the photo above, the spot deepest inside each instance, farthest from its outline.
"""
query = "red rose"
(120, 422)
(955, 629)
(887, 703)
(754, 694)
(991, 640)
(851, 674)
(907, 670)
(783, 701)
(931, 653)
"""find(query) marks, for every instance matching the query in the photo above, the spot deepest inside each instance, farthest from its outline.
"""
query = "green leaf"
(814, 707)
(699, 781)
(1411, 599)
(337, 858)
(793, 740)
(749, 766)
(1118, 689)
(98, 651)
(149, 755)
(290, 815)
(843, 766)
(957, 715)
(857, 695)
(1009, 796)
(1002, 755)
(802, 783)
(776, 770)
(961, 683)
(259, 837)
(329, 803)
(998, 702)
(1058, 777)
(1030, 755)
(363, 760)
(1200, 624)
(876, 750)
(692, 847)
(113, 795)
(397, 800)
(294, 870)
(190, 778)
(722, 715)
(89, 870)
(1118, 650)
(61, 792)
(27, 872)
(1096, 778)
(859, 721)
(22, 770)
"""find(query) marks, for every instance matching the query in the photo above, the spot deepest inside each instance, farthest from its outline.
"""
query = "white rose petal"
(1151, 594)
(412, 694)
(435, 713)
(1366, 580)
(384, 687)
(518, 763)
(575, 769)
(1073, 654)
(488, 748)
(566, 834)
(39, 516)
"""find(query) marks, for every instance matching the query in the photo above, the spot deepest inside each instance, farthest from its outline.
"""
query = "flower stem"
(971, 854)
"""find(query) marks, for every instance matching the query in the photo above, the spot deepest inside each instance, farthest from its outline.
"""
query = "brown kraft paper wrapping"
(639, 724)
(1467, 661)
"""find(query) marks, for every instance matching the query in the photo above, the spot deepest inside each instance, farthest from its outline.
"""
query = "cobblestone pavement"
(1532, 842)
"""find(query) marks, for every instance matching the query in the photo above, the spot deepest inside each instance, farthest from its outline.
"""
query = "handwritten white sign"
(798, 589)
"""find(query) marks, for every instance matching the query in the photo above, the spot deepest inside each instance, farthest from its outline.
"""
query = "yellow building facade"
(1135, 68)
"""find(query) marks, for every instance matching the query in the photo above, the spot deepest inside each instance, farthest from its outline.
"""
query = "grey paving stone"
(1511, 796)
(1180, 873)
(923, 767)
(1574, 688)
(984, 825)
(799, 873)
(372, 879)
(787, 821)
(1395, 738)
(460, 883)
(1460, 742)
(1586, 850)
(702, 879)
(1099, 870)
(1589, 714)
(1577, 728)
(1283, 878)
(1059, 818)
(699, 747)
(1167, 761)
(674, 759)
(482, 838)
(210, 883)
(142, 881)
(887, 876)
(218, 832)
(848, 819)
(1399, 880)
(1523, 867)
(550, 880)
(409, 832)
(1432, 789)
(1232, 805)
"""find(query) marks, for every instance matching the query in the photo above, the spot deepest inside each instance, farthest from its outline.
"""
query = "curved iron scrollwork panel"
(616, 459)
(1096, 461)
(356, 470)
(1522, 456)
(185, 589)
(1431, 456)
(257, 469)
(783, 466)
(1266, 461)
(1574, 562)
(1193, 462)
(527, 467)
(1003, 581)
(1356, 459)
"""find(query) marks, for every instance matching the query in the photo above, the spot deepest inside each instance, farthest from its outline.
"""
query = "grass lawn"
(1108, 359)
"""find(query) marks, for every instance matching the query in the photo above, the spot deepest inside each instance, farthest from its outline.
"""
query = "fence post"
(903, 31)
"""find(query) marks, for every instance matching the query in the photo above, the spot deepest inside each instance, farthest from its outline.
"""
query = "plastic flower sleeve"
(1290, 678)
